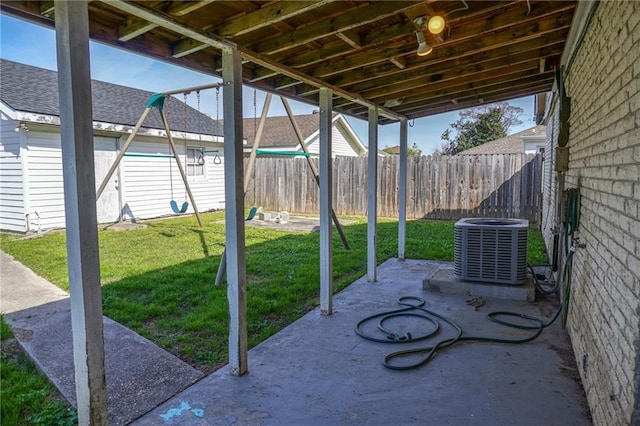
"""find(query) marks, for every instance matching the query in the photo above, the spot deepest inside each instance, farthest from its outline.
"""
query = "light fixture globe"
(435, 24)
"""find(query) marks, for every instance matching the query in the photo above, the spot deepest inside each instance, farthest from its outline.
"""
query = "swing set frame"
(157, 101)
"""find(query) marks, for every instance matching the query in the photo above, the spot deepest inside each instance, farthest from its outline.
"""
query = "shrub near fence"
(438, 187)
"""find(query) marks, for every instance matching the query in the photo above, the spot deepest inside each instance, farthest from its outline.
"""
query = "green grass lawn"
(26, 396)
(159, 281)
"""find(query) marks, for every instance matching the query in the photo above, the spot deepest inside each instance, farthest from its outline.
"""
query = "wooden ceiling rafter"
(347, 21)
(486, 60)
(364, 51)
(240, 25)
(437, 78)
(491, 40)
(171, 24)
(133, 26)
(470, 89)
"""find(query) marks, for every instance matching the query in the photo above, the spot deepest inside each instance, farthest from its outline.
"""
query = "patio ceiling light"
(423, 48)
(436, 24)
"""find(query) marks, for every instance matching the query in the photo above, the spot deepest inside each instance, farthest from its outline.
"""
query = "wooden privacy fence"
(438, 187)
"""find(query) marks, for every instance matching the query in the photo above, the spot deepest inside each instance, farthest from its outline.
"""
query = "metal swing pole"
(177, 157)
(247, 176)
(116, 163)
(313, 168)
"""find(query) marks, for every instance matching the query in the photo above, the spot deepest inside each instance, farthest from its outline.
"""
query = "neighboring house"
(392, 150)
(529, 141)
(279, 135)
(31, 188)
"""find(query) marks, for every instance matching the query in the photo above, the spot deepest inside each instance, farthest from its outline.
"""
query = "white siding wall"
(339, 144)
(12, 208)
(147, 182)
(44, 184)
(144, 182)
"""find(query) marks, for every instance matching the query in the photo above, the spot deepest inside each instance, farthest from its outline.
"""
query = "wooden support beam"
(47, 8)
(181, 8)
(351, 38)
(234, 211)
(187, 46)
(326, 207)
(399, 62)
(372, 197)
(76, 128)
(134, 27)
(402, 190)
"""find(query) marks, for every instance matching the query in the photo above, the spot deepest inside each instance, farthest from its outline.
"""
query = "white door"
(108, 207)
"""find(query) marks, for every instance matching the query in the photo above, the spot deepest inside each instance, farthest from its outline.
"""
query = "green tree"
(480, 125)
(412, 151)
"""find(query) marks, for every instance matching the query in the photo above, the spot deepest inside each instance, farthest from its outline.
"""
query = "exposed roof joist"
(365, 52)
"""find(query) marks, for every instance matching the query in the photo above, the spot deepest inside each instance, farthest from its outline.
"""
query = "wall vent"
(491, 250)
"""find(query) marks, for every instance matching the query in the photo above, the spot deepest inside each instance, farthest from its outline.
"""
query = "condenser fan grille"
(491, 250)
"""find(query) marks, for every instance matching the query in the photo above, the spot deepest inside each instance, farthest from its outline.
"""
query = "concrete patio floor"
(317, 371)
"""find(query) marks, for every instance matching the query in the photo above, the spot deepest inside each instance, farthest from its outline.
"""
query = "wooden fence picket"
(438, 187)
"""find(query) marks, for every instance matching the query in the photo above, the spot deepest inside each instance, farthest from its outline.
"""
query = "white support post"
(402, 191)
(74, 86)
(372, 196)
(326, 206)
(234, 210)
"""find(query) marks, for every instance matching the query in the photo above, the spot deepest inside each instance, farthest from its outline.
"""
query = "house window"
(195, 162)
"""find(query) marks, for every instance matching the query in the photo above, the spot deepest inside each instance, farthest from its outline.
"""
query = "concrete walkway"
(317, 371)
(139, 374)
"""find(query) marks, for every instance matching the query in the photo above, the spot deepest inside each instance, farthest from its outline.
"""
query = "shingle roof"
(512, 144)
(278, 131)
(31, 89)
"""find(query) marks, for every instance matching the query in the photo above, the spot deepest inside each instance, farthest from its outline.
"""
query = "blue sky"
(35, 45)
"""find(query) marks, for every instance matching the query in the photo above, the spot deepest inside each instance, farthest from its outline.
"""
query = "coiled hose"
(414, 307)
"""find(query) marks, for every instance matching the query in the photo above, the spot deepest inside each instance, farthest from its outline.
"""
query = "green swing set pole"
(115, 164)
(313, 168)
(177, 157)
(256, 142)
(247, 175)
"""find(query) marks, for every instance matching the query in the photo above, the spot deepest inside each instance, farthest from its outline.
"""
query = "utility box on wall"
(562, 159)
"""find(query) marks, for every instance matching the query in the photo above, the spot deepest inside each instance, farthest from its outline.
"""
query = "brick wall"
(549, 223)
(604, 85)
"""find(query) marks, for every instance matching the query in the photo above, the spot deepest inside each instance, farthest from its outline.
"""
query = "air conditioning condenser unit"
(491, 250)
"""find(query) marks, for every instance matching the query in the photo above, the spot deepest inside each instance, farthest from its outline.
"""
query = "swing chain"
(255, 134)
(200, 159)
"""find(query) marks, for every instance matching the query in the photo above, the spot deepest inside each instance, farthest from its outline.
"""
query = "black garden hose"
(410, 310)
